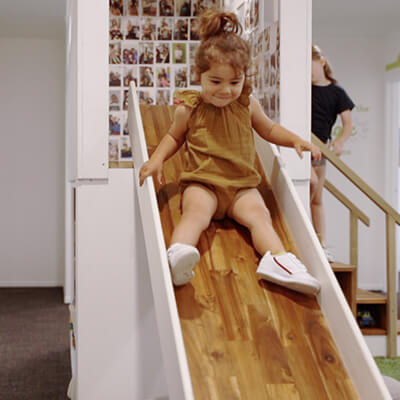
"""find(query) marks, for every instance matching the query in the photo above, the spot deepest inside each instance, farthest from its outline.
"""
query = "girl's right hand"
(149, 168)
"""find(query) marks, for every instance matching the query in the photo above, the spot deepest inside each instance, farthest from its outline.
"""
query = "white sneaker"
(328, 254)
(182, 260)
(288, 271)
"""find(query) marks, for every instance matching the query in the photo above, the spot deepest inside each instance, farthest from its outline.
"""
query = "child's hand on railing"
(149, 168)
(302, 145)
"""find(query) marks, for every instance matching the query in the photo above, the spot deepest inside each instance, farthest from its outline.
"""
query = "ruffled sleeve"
(190, 98)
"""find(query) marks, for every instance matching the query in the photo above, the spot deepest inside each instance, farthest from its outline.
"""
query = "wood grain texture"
(245, 338)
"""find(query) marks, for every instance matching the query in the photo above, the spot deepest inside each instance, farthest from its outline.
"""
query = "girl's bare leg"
(317, 208)
(248, 209)
(198, 206)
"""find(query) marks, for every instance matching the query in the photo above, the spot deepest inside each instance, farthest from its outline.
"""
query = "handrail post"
(391, 313)
(354, 257)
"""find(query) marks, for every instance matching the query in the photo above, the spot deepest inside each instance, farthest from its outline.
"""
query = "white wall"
(32, 162)
(358, 60)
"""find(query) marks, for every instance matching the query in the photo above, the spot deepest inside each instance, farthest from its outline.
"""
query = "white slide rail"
(348, 338)
(172, 346)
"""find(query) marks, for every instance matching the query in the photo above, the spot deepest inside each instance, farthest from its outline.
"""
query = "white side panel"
(118, 350)
(87, 89)
(295, 79)
(176, 366)
(348, 338)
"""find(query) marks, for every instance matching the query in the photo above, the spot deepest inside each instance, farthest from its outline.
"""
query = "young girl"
(328, 101)
(220, 178)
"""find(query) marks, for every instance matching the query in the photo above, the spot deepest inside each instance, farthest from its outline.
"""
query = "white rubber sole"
(306, 287)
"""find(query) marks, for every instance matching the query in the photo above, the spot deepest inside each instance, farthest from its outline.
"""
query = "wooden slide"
(229, 334)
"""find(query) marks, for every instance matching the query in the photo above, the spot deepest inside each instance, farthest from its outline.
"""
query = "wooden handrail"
(353, 177)
(349, 204)
(392, 218)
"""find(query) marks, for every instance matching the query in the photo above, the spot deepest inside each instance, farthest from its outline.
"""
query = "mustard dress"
(220, 151)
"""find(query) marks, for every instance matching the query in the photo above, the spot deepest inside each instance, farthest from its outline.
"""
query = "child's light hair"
(317, 55)
(221, 43)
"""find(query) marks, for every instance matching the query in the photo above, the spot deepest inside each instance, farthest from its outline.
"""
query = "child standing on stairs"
(328, 101)
(220, 178)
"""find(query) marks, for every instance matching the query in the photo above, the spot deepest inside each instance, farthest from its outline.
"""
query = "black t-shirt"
(327, 103)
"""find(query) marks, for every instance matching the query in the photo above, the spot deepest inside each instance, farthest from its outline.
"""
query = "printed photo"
(194, 29)
(116, 8)
(125, 102)
(114, 101)
(166, 8)
(114, 76)
(267, 38)
(163, 77)
(163, 97)
(199, 6)
(130, 74)
(164, 28)
(130, 53)
(146, 53)
(194, 76)
(146, 77)
(114, 123)
(113, 149)
(149, 8)
(115, 53)
(181, 29)
(180, 77)
(179, 53)
(148, 29)
(182, 8)
(162, 53)
(146, 97)
(131, 28)
(133, 7)
(115, 29)
(126, 150)
(258, 43)
(192, 52)
(266, 70)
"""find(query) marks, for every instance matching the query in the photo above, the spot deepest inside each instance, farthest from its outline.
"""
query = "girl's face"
(317, 71)
(221, 85)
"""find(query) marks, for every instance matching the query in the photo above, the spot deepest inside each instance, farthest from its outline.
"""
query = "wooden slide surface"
(245, 338)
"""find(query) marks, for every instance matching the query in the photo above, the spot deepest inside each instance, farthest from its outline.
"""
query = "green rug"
(389, 366)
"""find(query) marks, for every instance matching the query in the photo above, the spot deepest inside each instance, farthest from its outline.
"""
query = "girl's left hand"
(302, 145)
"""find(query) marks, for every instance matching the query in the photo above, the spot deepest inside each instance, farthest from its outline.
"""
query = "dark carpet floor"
(34, 344)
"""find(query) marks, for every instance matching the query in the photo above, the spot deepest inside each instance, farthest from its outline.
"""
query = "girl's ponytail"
(214, 22)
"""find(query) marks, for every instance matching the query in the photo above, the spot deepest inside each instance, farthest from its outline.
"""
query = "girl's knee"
(198, 217)
(258, 215)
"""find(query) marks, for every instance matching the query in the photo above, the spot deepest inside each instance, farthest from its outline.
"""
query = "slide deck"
(228, 334)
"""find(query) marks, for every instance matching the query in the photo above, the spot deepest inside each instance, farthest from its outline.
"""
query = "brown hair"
(317, 55)
(221, 43)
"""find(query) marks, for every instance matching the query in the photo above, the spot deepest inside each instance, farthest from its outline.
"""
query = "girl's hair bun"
(214, 22)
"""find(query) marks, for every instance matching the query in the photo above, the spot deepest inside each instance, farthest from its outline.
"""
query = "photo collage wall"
(153, 43)
(265, 46)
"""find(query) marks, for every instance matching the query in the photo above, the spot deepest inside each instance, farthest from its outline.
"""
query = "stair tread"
(341, 267)
(368, 297)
